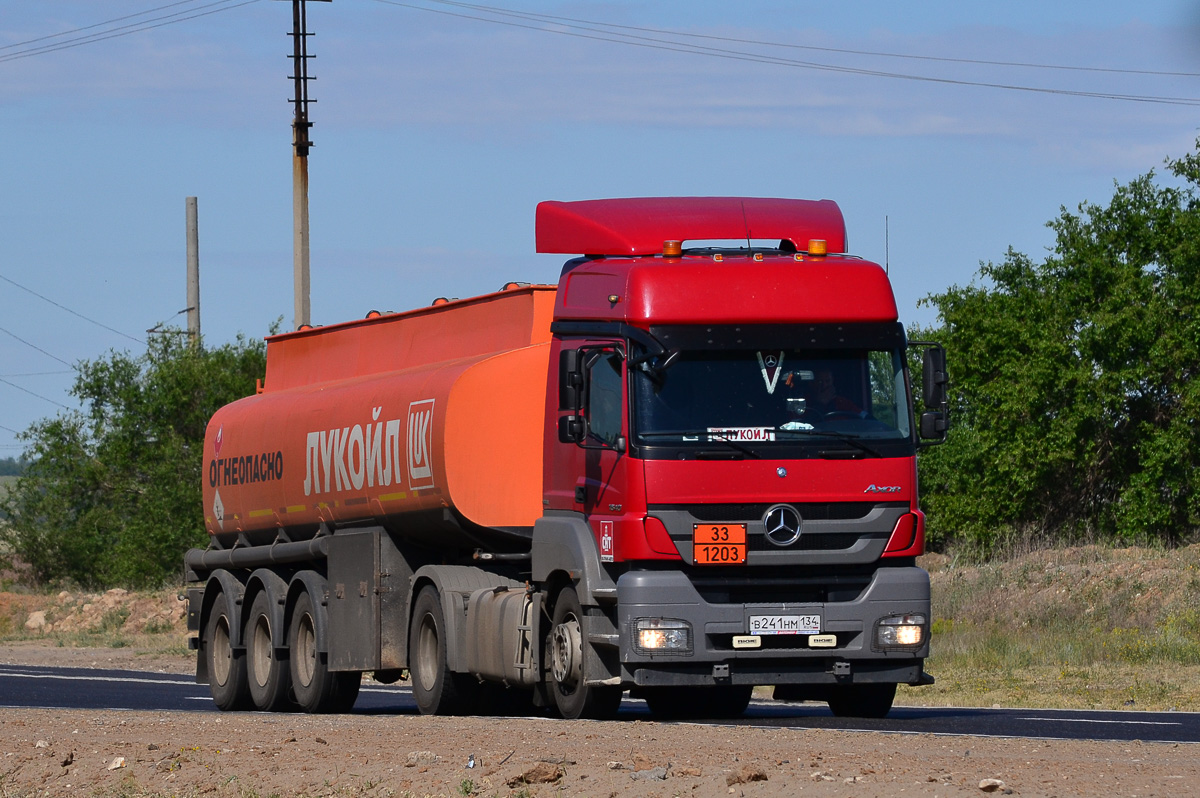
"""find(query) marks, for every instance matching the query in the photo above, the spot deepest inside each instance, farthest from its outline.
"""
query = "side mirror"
(933, 425)
(571, 429)
(935, 421)
(933, 368)
(570, 380)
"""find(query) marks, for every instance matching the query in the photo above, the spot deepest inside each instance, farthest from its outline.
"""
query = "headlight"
(900, 632)
(662, 636)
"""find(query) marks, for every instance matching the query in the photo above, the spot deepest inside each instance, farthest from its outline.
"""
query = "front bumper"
(781, 659)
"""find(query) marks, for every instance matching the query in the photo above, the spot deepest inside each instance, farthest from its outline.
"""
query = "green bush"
(1076, 382)
(111, 493)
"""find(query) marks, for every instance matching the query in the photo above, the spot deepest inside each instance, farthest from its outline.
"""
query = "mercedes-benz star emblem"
(782, 524)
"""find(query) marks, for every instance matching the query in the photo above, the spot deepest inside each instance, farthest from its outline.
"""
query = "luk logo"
(420, 444)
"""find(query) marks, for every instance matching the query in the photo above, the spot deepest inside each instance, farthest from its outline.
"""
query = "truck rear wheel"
(227, 680)
(314, 687)
(862, 700)
(268, 674)
(573, 697)
(436, 689)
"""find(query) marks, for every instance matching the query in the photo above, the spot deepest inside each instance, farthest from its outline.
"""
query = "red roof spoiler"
(640, 226)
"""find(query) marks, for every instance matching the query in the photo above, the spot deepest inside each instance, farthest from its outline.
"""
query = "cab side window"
(604, 397)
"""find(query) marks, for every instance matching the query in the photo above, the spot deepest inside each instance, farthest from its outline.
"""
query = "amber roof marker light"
(672, 249)
(817, 247)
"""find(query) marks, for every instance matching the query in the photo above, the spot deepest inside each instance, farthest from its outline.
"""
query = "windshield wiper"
(853, 440)
(685, 434)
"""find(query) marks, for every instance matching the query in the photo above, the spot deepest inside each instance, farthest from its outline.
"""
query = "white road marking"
(1091, 720)
(128, 679)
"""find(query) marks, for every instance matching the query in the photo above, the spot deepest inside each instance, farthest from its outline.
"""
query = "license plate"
(785, 624)
(718, 544)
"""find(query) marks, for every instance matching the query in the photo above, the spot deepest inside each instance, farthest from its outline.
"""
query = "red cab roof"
(639, 226)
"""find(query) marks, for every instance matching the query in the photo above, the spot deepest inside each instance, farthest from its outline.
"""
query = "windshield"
(772, 395)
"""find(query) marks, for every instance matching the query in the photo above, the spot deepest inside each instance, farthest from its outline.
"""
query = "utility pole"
(300, 146)
(193, 272)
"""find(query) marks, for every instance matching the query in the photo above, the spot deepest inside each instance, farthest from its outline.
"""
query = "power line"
(125, 30)
(31, 393)
(34, 346)
(67, 309)
(599, 34)
(36, 374)
(789, 45)
(97, 25)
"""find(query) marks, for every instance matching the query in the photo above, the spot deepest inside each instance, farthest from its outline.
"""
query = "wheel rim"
(260, 661)
(566, 653)
(222, 653)
(306, 650)
(427, 653)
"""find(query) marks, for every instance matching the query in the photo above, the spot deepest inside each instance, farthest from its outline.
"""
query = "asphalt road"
(77, 688)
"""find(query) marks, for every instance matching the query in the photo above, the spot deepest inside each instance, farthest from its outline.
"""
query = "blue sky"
(438, 129)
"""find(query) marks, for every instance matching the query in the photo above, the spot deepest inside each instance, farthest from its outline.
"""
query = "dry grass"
(1085, 627)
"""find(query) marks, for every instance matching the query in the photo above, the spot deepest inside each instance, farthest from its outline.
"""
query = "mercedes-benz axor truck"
(686, 470)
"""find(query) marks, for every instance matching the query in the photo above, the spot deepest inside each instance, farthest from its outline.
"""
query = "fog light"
(900, 631)
(662, 636)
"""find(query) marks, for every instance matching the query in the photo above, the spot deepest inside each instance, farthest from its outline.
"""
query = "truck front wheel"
(565, 646)
(227, 679)
(862, 700)
(436, 689)
(314, 686)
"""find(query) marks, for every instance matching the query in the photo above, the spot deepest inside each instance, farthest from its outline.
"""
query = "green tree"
(1074, 380)
(111, 493)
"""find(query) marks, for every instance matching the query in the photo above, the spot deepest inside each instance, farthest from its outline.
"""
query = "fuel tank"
(429, 423)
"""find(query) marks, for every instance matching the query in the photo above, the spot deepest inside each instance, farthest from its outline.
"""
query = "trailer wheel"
(436, 689)
(723, 701)
(862, 700)
(572, 696)
(314, 687)
(227, 680)
(268, 675)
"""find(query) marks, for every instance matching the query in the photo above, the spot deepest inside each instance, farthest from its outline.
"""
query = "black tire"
(435, 688)
(268, 675)
(722, 701)
(227, 679)
(314, 687)
(862, 700)
(564, 656)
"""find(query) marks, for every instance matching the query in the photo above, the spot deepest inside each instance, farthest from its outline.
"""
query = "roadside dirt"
(119, 753)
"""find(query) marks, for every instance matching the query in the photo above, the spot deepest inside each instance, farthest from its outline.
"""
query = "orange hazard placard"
(719, 544)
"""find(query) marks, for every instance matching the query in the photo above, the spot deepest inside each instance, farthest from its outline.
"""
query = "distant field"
(4, 483)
